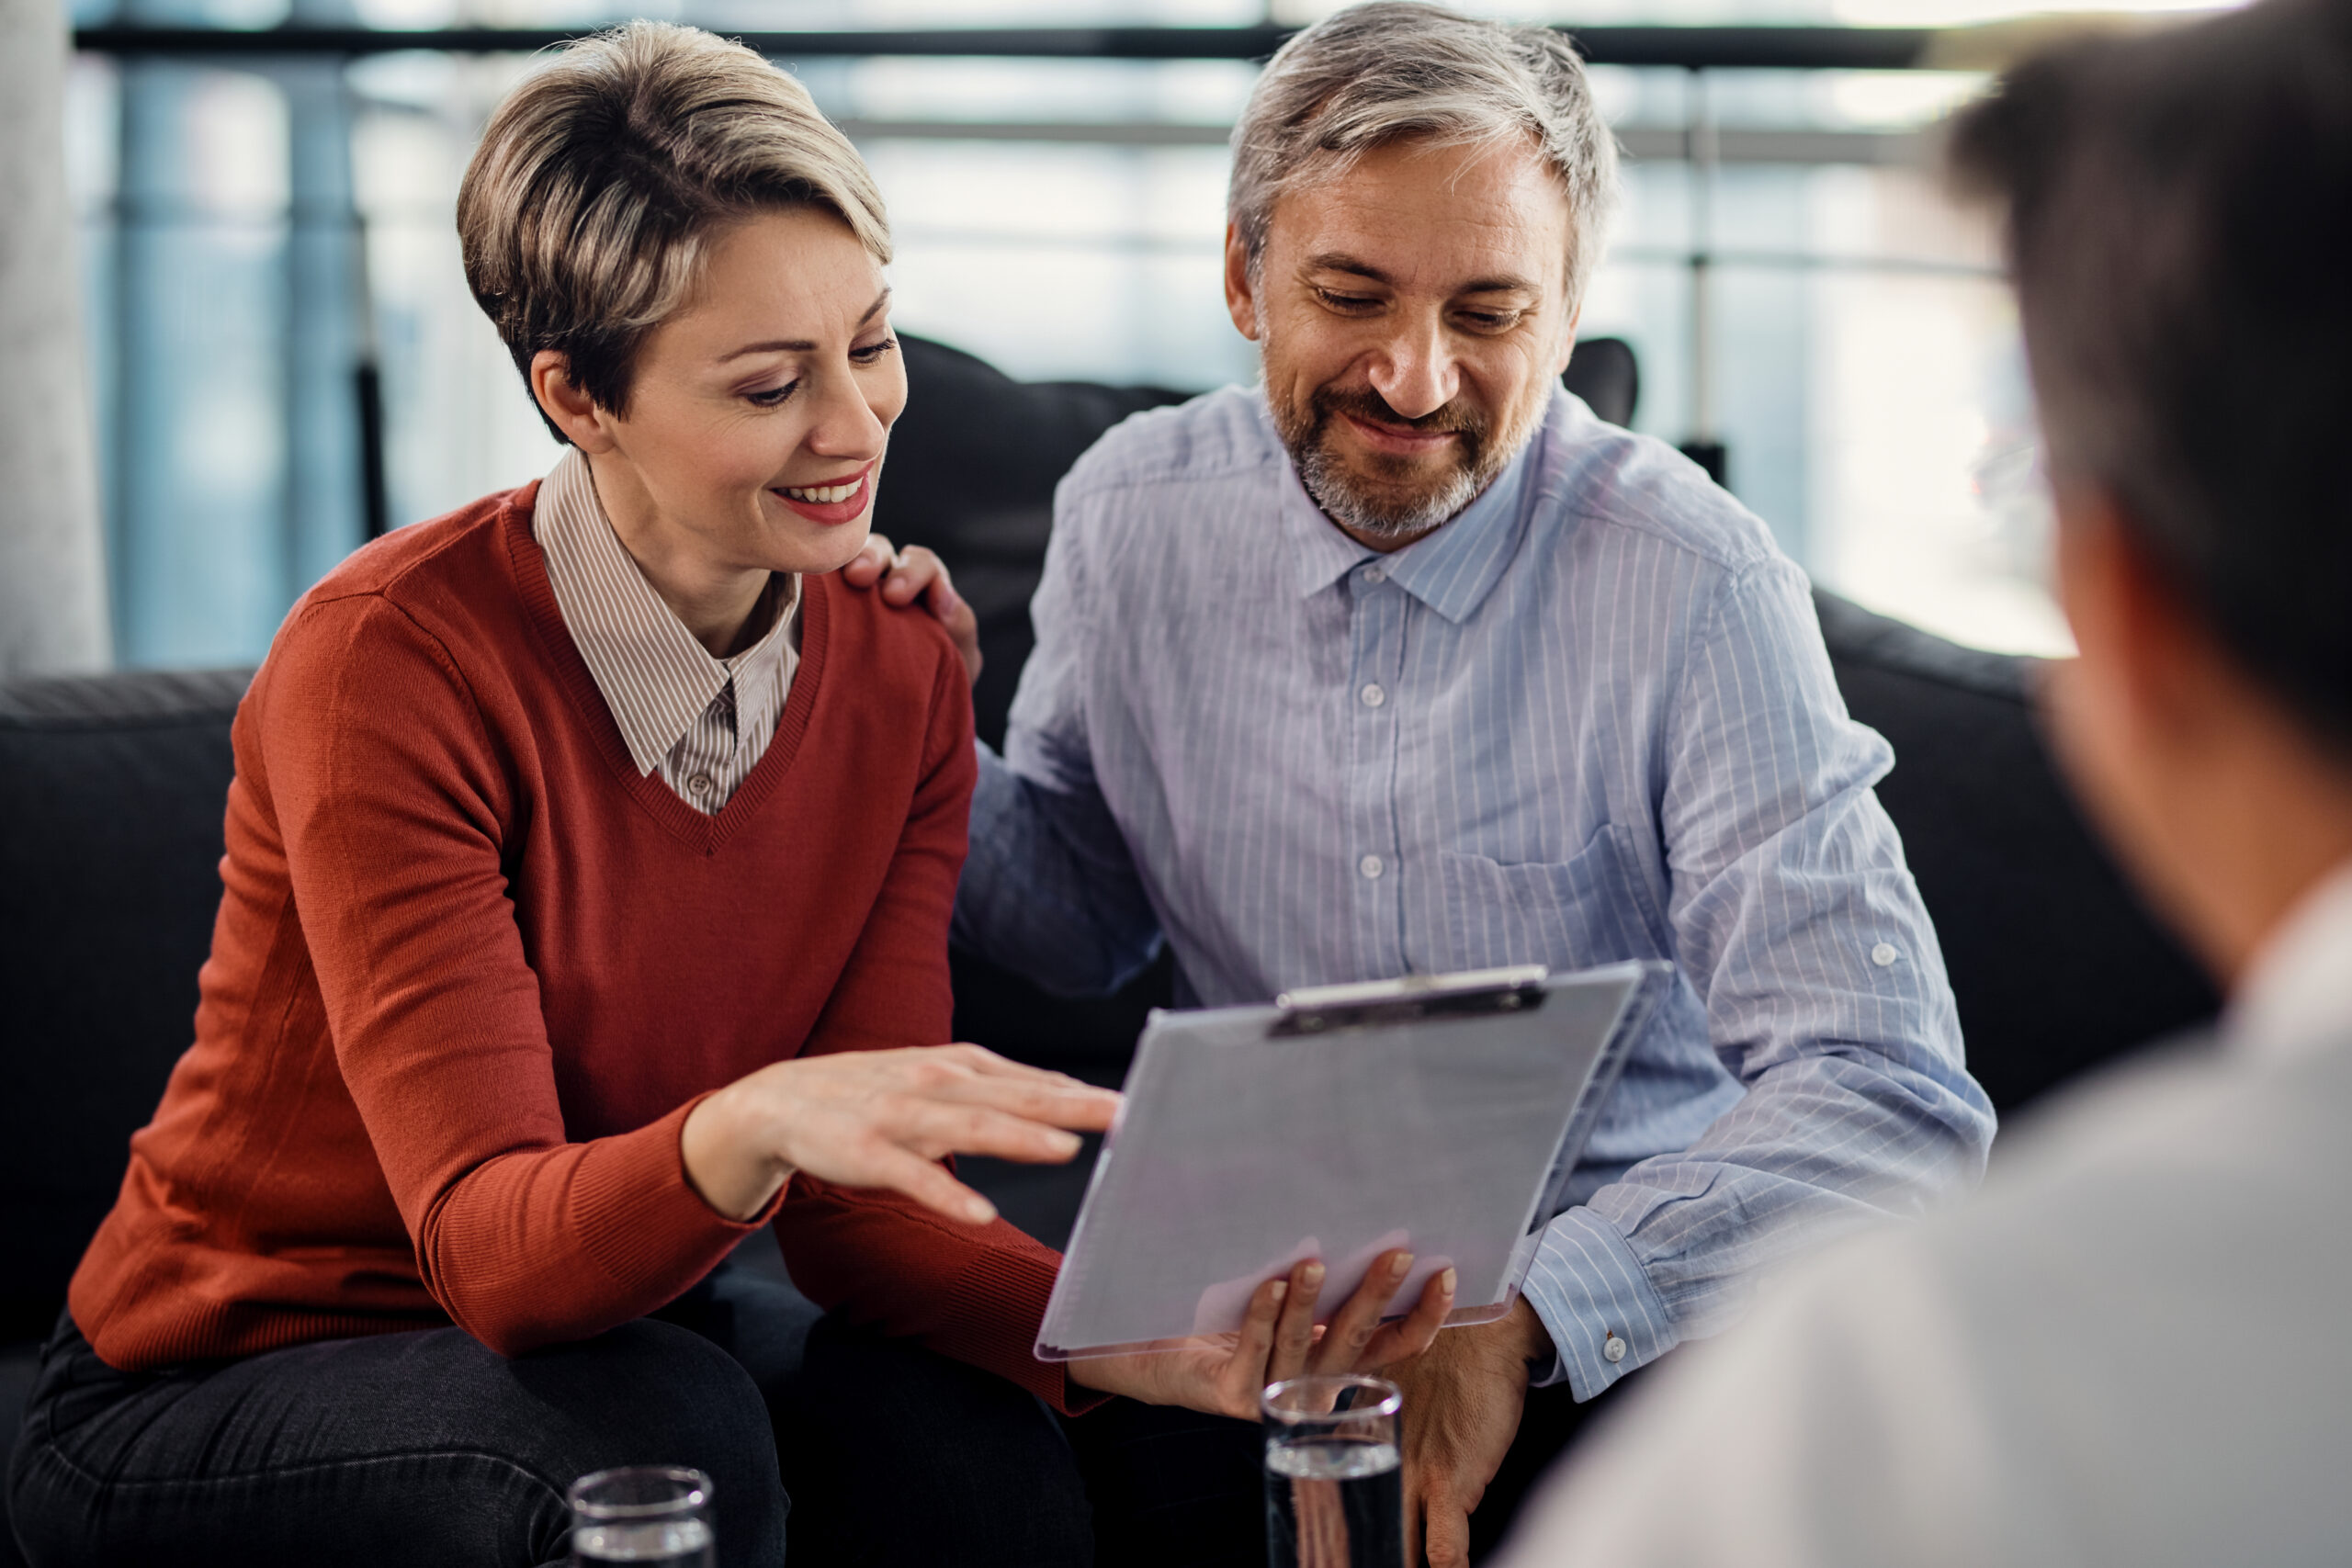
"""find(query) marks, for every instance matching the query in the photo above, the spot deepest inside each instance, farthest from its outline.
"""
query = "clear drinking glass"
(1335, 1478)
(646, 1514)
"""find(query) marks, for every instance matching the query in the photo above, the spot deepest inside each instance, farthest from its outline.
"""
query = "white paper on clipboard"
(1442, 1114)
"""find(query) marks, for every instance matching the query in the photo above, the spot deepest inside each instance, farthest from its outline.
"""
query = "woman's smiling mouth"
(843, 500)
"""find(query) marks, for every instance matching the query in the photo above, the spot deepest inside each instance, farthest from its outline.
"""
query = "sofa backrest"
(111, 793)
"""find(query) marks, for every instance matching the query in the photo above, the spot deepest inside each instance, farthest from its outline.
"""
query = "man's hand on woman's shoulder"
(913, 575)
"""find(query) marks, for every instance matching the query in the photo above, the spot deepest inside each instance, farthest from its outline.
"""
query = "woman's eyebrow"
(802, 345)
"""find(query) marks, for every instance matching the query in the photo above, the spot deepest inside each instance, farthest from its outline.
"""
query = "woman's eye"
(772, 396)
(874, 352)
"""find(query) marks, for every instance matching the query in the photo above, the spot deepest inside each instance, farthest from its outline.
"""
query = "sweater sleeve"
(976, 1293)
(395, 808)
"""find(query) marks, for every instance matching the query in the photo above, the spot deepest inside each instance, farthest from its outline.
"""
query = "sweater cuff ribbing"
(642, 1220)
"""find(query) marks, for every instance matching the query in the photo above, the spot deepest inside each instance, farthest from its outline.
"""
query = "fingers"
(1294, 1333)
(915, 575)
(1247, 1372)
(871, 561)
(926, 1183)
(1413, 1334)
(929, 1129)
(1448, 1539)
(951, 1075)
(1353, 1326)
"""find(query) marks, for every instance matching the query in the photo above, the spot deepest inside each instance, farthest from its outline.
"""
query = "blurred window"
(254, 228)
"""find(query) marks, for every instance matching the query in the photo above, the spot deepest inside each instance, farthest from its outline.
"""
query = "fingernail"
(1402, 1262)
(1446, 1281)
(1281, 1289)
(898, 562)
(980, 1210)
(1311, 1275)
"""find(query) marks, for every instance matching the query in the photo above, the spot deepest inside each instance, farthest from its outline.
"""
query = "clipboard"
(1442, 1114)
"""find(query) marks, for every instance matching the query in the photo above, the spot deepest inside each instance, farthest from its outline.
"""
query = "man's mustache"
(1367, 404)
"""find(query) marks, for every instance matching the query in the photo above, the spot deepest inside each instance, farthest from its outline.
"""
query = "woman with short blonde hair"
(590, 857)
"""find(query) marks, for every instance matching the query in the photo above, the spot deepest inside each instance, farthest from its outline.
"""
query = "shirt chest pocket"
(1594, 908)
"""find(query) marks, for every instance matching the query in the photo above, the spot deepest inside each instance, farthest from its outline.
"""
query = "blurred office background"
(269, 273)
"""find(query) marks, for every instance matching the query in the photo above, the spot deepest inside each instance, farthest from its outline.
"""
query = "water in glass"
(654, 1515)
(667, 1543)
(1335, 1502)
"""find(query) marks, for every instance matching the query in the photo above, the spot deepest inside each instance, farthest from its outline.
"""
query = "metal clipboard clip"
(1323, 1010)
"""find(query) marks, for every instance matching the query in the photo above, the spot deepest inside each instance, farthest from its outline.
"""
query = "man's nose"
(1414, 374)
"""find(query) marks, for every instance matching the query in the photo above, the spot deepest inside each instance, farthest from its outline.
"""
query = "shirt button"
(1370, 866)
(699, 784)
(1612, 1349)
(1885, 955)
(1375, 575)
(1372, 695)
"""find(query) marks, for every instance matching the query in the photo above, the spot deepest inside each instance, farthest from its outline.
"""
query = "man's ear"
(1569, 343)
(2151, 646)
(574, 411)
(1240, 294)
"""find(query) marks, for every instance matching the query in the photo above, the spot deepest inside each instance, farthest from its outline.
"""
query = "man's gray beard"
(1387, 519)
(1329, 482)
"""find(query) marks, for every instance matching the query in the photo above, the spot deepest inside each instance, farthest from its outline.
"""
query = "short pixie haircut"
(586, 211)
(1396, 70)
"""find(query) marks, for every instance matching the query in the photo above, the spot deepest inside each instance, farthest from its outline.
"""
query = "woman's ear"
(572, 410)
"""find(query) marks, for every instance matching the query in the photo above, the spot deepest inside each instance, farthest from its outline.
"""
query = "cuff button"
(1613, 1348)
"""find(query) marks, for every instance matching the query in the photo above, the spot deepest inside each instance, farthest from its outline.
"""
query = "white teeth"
(823, 494)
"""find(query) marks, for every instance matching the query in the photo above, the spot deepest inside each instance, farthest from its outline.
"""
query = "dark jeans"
(426, 1448)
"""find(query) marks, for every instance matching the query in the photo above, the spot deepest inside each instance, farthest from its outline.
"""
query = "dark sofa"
(110, 834)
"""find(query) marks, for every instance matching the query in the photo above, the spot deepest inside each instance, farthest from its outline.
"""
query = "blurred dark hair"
(2179, 207)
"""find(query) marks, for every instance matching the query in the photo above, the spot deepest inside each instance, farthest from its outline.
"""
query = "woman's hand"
(884, 1119)
(1224, 1375)
(915, 573)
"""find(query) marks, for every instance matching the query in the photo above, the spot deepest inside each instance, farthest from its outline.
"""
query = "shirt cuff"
(1597, 1304)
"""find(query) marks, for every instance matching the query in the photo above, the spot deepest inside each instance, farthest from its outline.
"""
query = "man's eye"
(874, 352)
(1346, 302)
(1490, 321)
(773, 397)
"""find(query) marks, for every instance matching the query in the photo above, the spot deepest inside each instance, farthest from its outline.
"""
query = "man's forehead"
(1410, 214)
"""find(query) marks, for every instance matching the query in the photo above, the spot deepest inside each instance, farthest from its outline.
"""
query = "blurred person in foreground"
(1401, 661)
(2132, 1347)
(589, 859)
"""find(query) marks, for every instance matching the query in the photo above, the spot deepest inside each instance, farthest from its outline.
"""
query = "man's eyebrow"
(801, 345)
(1340, 261)
(1501, 285)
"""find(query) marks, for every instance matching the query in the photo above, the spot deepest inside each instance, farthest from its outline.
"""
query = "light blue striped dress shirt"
(1590, 718)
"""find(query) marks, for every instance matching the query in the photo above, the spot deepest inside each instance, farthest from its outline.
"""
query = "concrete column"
(53, 571)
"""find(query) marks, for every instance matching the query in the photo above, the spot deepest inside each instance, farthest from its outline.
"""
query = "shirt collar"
(1451, 569)
(653, 674)
(2297, 997)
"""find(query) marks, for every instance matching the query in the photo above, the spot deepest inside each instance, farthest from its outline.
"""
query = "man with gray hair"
(1402, 661)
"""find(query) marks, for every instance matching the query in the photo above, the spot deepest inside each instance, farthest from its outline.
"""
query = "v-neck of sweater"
(682, 822)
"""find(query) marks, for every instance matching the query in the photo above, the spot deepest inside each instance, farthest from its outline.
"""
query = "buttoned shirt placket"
(1377, 619)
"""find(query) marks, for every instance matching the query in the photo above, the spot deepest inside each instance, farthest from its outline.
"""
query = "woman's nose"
(848, 424)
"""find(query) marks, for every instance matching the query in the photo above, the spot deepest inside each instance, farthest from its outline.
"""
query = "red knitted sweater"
(471, 970)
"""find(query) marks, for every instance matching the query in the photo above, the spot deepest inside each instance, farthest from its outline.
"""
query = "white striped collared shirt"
(703, 722)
